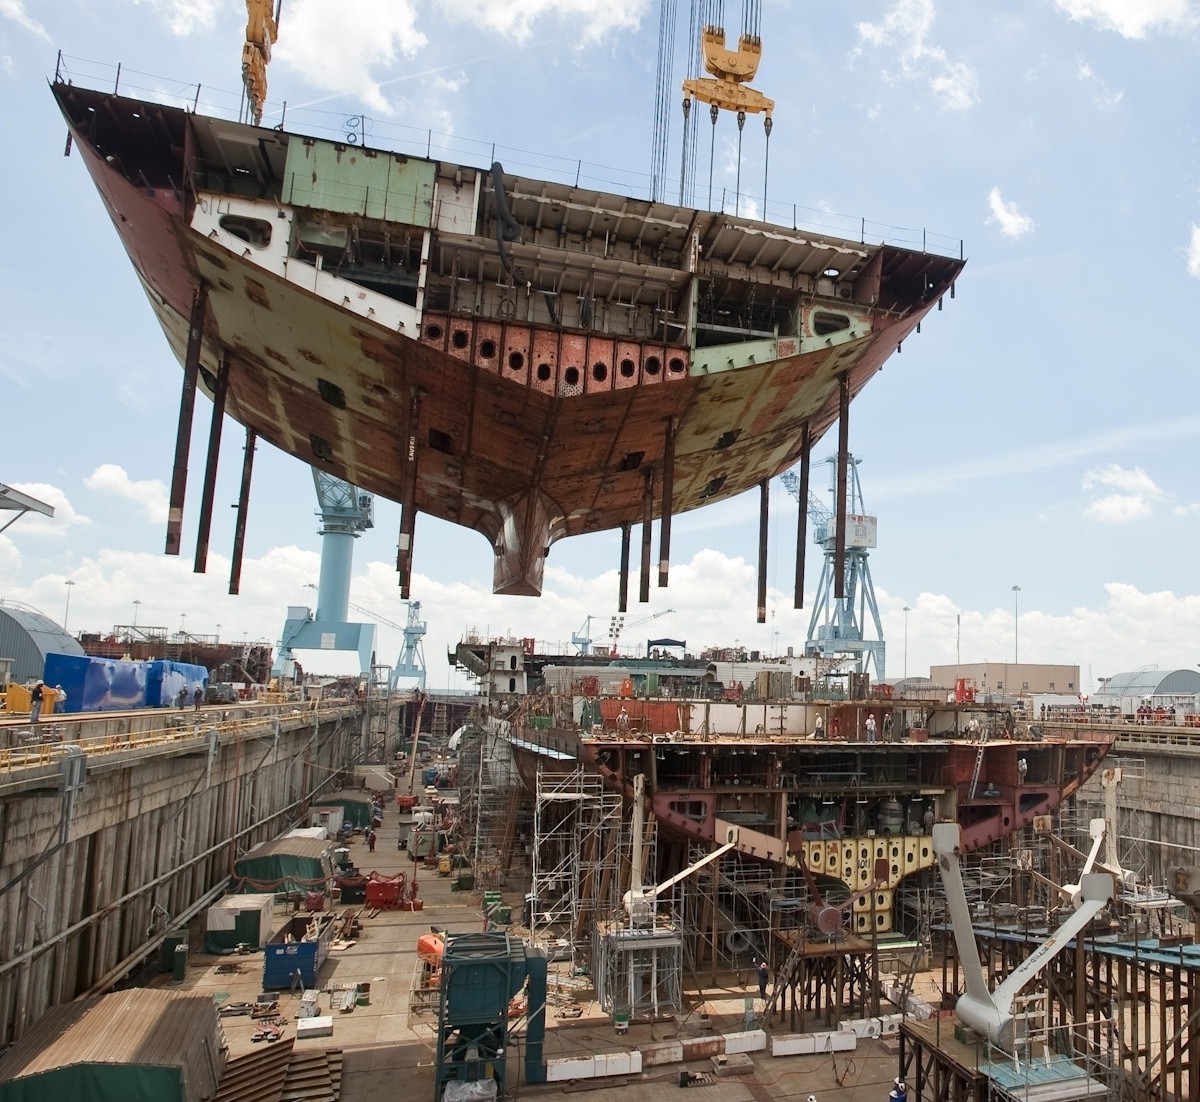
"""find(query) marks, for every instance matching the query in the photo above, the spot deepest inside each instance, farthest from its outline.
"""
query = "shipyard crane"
(346, 512)
(617, 625)
(726, 88)
(411, 663)
(837, 623)
(583, 637)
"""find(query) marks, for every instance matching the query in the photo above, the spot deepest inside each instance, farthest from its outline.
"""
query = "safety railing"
(38, 745)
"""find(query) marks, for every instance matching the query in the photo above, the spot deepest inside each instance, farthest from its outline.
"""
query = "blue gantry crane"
(346, 512)
(836, 628)
(411, 663)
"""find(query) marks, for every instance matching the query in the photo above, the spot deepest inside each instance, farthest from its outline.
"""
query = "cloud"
(904, 30)
(185, 17)
(15, 10)
(149, 495)
(588, 19)
(1193, 252)
(1131, 18)
(1005, 214)
(1187, 510)
(1104, 96)
(1059, 453)
(1135, 493)
(341, 55)
(65, 517)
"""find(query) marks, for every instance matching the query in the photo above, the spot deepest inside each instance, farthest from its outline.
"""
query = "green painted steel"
(98, 1083)
(351, 180)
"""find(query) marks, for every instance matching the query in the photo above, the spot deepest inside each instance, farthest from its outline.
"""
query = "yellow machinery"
(261, 32)
(728, 89)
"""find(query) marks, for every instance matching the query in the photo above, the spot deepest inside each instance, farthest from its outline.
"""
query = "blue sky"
(1041, 430)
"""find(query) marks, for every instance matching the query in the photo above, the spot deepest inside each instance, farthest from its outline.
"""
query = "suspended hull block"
(373, 324)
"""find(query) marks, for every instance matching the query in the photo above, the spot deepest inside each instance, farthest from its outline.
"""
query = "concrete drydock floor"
(388, 1052)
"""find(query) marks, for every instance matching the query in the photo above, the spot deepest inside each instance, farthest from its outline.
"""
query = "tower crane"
(617, 624)
(583, 637)
(346, 512)
(411, 663)
(836, 626)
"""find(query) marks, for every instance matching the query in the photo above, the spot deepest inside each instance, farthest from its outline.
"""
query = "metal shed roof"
(1144, 683)
(27, 636)
(140, 1027)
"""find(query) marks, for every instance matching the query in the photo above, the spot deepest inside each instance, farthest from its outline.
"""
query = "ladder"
(440, 728)
(978, 763)
(786, 974)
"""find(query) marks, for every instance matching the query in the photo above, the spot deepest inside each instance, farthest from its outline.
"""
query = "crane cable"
(662, 122)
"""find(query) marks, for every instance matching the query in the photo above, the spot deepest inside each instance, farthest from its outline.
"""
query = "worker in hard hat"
(36, 699)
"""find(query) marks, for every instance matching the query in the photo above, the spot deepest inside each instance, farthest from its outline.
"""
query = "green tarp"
(97, 1083)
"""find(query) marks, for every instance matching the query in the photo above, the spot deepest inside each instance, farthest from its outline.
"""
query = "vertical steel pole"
(239, 532)
(647, 532)
(408, 501)
(204, 529)
(668, 490)
(764, 508)
(802, 518)
(843, 467)
(183, 433)
(623, 590)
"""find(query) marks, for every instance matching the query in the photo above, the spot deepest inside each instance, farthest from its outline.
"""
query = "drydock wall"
(1157, 797)
(149, 840)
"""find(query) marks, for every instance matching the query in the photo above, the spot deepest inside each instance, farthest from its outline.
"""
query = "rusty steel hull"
(748, 789)
(527, 391)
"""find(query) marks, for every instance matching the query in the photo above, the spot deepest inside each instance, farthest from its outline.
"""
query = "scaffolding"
(495, 807)
(732, 909)
(578, 860)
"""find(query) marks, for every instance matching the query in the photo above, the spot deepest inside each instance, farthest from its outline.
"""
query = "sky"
(1040, 432)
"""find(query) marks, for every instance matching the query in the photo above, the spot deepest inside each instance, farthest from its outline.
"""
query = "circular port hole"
(543, 373)
(571, 375)
(627, 369)
(599, 372)
(487, 349)
(652, 365)
(675, 364)
(516, 361)
(433, 332)
(460, 338)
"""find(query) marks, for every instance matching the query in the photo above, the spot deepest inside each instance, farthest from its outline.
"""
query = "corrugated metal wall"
(27, 636)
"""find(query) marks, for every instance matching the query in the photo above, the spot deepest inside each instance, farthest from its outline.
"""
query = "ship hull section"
(522, 423)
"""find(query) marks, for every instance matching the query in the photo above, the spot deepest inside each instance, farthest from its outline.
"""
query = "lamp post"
(135, 612)
(907, 610)
(1016, 627)
(67, 611)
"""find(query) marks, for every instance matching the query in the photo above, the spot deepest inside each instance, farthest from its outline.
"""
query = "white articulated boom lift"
(640, 900)
(990, 1013)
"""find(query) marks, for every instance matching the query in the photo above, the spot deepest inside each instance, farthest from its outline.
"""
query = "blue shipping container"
(111, 685)
(165, 680)
(97, 684)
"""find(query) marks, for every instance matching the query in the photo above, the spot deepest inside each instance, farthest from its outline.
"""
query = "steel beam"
(183, 431)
